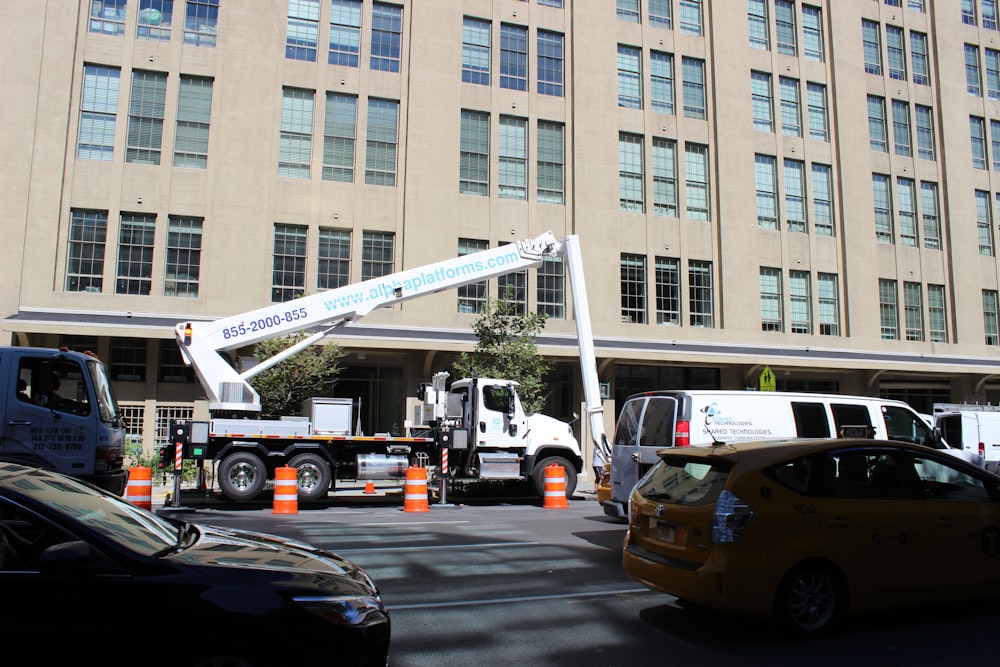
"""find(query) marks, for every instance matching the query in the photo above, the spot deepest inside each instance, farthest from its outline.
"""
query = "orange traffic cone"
(139, 490)
(555, 487)
(286, 490)
(369, 487)
(415, 493)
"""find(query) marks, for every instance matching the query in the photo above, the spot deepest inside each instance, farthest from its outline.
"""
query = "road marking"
(440, 546)
(530, 598)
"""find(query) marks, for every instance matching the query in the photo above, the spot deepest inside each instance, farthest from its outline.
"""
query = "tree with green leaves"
(507, 349)
(311, 372)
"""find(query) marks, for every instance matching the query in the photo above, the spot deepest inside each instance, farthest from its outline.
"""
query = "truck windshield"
(106, 404)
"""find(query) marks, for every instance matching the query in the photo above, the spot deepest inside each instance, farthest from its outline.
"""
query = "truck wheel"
(242, 476)
(314, 476)
(538, 475)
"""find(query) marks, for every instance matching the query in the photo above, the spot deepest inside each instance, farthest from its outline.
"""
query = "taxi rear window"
(682, 481)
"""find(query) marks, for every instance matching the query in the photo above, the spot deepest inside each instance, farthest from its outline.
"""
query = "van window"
(951, 430)
(901, 424)
(628, 423)
(658, 423)
(849, 415)
(811, 420)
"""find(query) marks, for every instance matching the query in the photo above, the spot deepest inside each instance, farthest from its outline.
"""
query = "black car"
(87, 576)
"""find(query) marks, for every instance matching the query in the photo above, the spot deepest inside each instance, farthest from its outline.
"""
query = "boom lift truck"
(480, 420)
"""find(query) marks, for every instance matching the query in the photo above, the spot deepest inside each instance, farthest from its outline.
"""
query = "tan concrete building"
(800, 186)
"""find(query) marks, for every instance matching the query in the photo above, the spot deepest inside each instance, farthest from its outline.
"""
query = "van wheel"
(538, 475)
(242, 476)
(809, 600)
(313, 474)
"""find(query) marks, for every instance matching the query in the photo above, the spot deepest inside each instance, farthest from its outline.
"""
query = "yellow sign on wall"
(767, 381)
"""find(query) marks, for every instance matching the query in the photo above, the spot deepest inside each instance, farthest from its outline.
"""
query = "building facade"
(799, 191)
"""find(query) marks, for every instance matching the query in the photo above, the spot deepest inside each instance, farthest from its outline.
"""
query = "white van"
(657, 419)
(972, 428)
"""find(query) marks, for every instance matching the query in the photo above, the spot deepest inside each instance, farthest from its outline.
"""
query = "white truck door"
(501, 422)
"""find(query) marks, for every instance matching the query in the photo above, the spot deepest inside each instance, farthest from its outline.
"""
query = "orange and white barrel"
(139, 490)
(286, 490)
(555, 487)
(415, 492)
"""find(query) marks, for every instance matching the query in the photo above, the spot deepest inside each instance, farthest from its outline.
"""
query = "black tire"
(242, 476)
(313, 476)
(538, 475)
(810, 600)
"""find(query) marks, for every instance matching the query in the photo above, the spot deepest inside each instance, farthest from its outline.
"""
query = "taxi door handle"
(945, 522)
(839, 521)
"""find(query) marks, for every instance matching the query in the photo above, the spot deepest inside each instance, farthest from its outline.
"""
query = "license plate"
(662, 531)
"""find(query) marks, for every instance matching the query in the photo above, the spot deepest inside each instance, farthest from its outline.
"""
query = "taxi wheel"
(809, 600)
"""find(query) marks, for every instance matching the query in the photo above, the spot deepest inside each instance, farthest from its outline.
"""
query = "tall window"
(800, 295)
(700, 293)
(937, 321)
(334, 265)
(661, 82)
(630, 173)
(822, 182)
(829, 304)
(472, 297)
(551, 291)
(513, 57)
(550, 63)
(345, 32)
(992, 68)
(693, 71)
(629, 77)
(98, 106)
(888, 309)
(302, 32)
(145, 117)
(791, 109)
(339, 131)
(895, 52)
(380, 144)
(295, 144)
(183, 265)
(925, 132)
(551, 162)
(690, 17)
(757, 24)
(107, 17)
(770, 300)
(128, 359)
(872, 46)
(627, 10)
(876, 124)
(88, 233)
(819, 125)
(659, 14)
(989, 14)
(387, 37)
(696, 181)
(918, 58)
(984, 223)
(901, 128)
(665, 177)
(883, 209)
(476, 51)
(795, 195)
(977, 135)
(929, 211)
(990, 317)
(995, 143)
(784, 20)
(633, 288)
(513, 288)
(155, 18)
(376, 254)
(972, 82)
(135, 253)
(513, 153)
(812, 33)
(288, 275)
(767, 191)
(760, 94)
(201, 21)
(474, 159)
(906, 201)
(913, 311)
(668, 291)
(194, 113)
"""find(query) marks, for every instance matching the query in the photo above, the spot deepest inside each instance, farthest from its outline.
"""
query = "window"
(760, 94)
(513, 151)
(664, 177)
(888, 315)
(334, 267)
(906, 201)
(194, 113)
(661, 82)
(668, 291)
(551, 3)
(474, 159)
(629, 78)
(700, 293)
(992, 67)
(913, 311)
(929, 211)
(513, 288)
(633, 286)
(696, 181)
(969, 12)
(925, 132)
(630, 173)
(917, 5)
(128, 359)
(770, 300)
(767, 192)
(829, 304)
(876, 124)
(472, 297)
(801, 301)
(550, 63)
(376, 254)
(784, 19)
(288, 273)
(901, 128)
(690, 17)
(984, 223)
(812, 33)
(989, 14)
(172, 367)
(135, 253)
(551, 287)
(895, 52)
(387, 37)
(822, 182)
(883, 208)
(476, 51)
(155, 17)
(977, 132)
(551, 162)
(513, 57)
(201, 20)
(972, 84)
(627, 10)
(757, 24)
(380, 154)
(88, 232)
(345, 32)
(98, 106)
(819, 126)
(791, 113)
(936, 316)
(795, 196)
(990, 317)
(303, 30)
(145, 117)
(918, 58)
(107, 17)
(339, 132)
(872, 47)
(183, 262)
(693, 71)
(659, 14)
(295, 143)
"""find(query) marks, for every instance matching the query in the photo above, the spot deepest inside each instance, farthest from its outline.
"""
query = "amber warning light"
(187, 333)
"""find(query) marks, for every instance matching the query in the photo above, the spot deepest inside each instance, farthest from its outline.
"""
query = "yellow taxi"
(803, 531)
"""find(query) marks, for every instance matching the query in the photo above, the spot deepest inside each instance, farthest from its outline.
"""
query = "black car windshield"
(113, 518)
